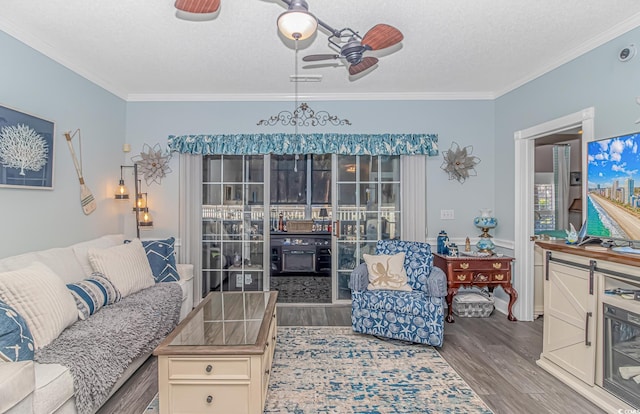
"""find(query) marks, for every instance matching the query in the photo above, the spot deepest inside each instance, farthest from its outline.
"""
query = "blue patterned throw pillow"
(162, 260)
(16, 341)
(93, 293)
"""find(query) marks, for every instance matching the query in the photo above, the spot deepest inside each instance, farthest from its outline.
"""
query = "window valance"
(343, 144)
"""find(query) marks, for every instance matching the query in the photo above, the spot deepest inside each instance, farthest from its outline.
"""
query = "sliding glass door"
(233, 223)
(367, 208)
(362, 194)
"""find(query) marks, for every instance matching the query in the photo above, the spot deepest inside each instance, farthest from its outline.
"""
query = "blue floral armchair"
(415, 316)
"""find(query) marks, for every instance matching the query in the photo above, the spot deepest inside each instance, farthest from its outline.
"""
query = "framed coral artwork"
(26, 150)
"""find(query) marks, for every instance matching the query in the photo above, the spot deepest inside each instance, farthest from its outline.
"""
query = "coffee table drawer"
(209, 368)
(203, 398)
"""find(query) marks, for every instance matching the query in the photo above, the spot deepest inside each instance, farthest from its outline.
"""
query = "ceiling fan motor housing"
(352, 51)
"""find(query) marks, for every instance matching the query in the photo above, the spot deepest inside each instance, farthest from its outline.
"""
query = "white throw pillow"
(386, 272)
(126, 266)
(43, 300)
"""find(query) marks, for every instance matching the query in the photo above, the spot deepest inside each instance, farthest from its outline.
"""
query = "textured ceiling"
(140, 50)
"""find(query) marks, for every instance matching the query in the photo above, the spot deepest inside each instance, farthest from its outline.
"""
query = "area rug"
(333, 370)
(302, 289)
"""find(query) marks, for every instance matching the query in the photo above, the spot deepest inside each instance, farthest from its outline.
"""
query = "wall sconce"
(297, 23)
(146, 221)
(141, 200)
(141, 208)
(122, 193)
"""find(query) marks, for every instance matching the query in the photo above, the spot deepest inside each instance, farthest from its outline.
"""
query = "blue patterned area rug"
(334, 370)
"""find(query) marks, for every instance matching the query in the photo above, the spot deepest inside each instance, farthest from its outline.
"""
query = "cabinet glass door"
(367, 209)
(233, 223)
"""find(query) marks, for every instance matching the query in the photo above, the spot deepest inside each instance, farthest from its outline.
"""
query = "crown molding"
(607, 36)
(373, 96)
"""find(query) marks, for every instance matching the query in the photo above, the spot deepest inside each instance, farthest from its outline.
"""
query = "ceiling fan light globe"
(297, 24)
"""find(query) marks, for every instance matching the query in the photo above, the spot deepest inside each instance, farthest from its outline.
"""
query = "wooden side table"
(481, 272)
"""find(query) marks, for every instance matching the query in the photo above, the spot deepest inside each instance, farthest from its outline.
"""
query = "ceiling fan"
(349, 44)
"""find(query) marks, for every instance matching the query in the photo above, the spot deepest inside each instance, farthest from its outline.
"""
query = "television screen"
(613, 199)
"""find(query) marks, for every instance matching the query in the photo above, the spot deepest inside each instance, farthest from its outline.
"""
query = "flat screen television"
(613, 189)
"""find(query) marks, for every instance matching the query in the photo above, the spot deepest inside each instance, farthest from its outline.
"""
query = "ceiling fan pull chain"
(295, 114)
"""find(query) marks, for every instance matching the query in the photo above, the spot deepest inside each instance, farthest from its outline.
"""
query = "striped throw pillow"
(93, 293)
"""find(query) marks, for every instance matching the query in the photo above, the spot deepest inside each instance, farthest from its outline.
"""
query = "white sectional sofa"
(34, 387)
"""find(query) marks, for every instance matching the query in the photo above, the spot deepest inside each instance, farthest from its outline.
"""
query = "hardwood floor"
(495, 357)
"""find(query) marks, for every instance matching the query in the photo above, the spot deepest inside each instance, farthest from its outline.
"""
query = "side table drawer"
(501, 277)
(209, 368)
(481, 265)
(462, 276)
(204, 398)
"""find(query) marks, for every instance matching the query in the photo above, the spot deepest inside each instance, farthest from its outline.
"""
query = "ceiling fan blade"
(198, 6)
(365, 64)
(382, 36)
(313, 58)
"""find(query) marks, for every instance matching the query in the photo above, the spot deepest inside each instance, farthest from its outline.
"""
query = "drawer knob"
(498, 277)
(497, 265)
(209, 368)
(273, 338)
(267, 372)
(464, 265)
(267, 344)
(461, 277)
(209, 399)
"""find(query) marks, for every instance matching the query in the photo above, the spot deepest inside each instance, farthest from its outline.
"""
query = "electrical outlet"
(446, 215)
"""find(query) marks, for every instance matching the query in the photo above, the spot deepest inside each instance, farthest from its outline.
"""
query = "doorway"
(524, 197)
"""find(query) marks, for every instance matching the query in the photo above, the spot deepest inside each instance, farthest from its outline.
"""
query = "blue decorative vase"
(443, 239)
(485, 222)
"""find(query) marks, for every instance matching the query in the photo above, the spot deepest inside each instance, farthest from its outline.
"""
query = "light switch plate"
(446, 215)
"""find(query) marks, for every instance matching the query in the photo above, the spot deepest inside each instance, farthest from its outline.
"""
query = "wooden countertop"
(591, 251)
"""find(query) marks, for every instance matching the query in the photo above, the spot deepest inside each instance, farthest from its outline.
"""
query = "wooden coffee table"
(218, 359)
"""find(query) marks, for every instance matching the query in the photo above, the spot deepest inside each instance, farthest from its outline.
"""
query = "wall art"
(459, 163)
(153, 163)
(26, 150)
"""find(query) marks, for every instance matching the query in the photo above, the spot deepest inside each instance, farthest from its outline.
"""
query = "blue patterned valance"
(343, 144)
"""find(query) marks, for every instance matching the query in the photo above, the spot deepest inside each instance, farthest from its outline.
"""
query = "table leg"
(451, 292)
(513, 296)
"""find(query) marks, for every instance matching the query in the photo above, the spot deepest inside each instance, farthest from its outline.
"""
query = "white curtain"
(414, 188)
(190, 224)
(561, 164)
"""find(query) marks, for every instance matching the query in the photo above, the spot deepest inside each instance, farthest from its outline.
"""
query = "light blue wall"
(33, 83)
(37, 219)
(465, 122)
(597, 79)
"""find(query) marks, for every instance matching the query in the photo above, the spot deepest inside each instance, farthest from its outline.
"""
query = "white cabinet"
(569, 307)
(575, 279)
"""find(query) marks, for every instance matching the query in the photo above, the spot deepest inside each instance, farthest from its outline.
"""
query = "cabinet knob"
(209, 368)
(209, 399)
(273, 338)
(464, 265)
(267, 372)
(497, 265)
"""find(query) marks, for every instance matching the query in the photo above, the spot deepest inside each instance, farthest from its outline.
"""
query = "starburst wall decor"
(153, 163)
(459, 163)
